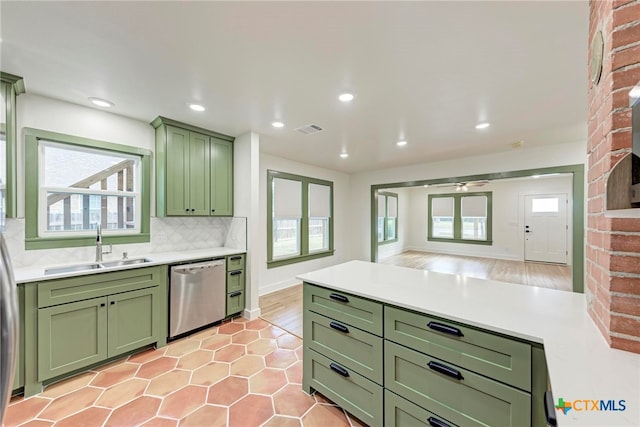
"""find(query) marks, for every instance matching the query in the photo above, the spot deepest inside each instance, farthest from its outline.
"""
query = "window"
(460, 218)
(299, 219)
(544, 205)
(387, 217)
(80, 183)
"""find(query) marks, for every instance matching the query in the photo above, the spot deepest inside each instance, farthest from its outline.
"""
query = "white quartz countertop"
(581, 364)
(36, 273)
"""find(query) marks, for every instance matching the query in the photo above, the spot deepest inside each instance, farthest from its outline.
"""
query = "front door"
(545, 229)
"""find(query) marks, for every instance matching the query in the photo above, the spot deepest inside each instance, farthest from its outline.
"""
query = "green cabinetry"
(74, 323)
(235, 284)
(194, 170)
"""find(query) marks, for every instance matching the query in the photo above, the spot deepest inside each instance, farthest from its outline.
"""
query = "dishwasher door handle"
(198, 268)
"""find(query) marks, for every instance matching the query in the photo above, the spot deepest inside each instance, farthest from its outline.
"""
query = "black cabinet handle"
(102, 305)
(213, 210)
(235, 273)
(339, 369)
(113, 302)
(434, 422)
(339, 297)
(193, 210)
(446, 370)
(187, 210)
(235, 294)
(440, 327)
(337, 326)
(549, 409)
(235, 258)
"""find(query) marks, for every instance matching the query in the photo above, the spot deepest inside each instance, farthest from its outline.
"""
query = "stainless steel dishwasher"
(197, 295)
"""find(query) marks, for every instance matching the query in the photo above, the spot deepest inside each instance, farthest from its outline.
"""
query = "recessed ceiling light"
(101, 102)
(426, 185)
(482, 125)
(196, 107)
(277, 124)
(346, 97)
(535, 176)
(344, 155)
(401, 143)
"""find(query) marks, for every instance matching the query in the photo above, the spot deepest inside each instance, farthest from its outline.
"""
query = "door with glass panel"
(545, 228)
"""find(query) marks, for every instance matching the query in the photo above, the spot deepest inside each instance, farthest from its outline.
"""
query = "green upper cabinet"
(194, 170)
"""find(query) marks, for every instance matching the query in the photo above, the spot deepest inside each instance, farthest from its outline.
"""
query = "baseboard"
(251, 314)
(464, 253)
(277, 286)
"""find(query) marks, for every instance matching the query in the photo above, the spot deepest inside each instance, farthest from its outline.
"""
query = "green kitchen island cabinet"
(235, 285)
(194, 170)
(74, 323)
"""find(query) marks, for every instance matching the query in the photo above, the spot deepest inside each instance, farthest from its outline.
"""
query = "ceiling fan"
(463, 186)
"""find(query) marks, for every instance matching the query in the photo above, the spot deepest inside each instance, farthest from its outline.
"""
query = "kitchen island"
(581, 367)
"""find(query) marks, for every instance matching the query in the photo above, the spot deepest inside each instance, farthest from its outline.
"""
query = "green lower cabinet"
(132, 320)
(71, 336)
(235, 302)
(439, 386)
(235, 281)
(399, 412)
(348, 389)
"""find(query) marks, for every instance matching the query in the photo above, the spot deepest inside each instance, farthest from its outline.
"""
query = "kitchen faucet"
(99, 251)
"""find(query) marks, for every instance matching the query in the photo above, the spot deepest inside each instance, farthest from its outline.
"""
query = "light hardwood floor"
(284, 308)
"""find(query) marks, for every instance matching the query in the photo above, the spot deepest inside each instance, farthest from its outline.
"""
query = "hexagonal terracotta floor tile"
(229, 353)
(135, 412)
(122, 393)
(89, 417)
(298, 352)
(230, 328)
(257, 324)
(271, 332)
(183, 401)
(252, 410)
(267, 381)
(280, 358)
(67, 386)
(71, 403)
(245, 337)
(146, 355)
(280, 421)
(228, 391)
(210, 374)
(115, 374)
(291, 400)
(160, 422)
(294, 373)
(37, 423)
(25, 409)
(324, 415)
(157, 367)
(289, 341)
(247, 366)
(215, 342)
(169, 382)
(195, 359)
(262, 346)
(210, 416)
(206, 333)
(182, 347)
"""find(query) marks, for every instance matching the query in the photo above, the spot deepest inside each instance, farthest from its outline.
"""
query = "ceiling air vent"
(309, 129)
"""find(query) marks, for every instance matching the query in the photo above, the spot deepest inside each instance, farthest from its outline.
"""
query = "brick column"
(613, 244)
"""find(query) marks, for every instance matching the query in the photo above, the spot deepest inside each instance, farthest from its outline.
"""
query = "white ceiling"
(424, 71)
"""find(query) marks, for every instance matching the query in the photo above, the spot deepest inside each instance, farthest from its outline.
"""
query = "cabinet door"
(71, 336)
(177, 172)
(132, 320)
(199, 174)
(221, 177)
(235, 302)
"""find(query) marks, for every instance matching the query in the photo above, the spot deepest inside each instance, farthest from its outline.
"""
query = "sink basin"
(123, 262)
(72, 268)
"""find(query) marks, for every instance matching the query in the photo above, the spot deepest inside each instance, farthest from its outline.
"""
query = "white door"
(545, 228)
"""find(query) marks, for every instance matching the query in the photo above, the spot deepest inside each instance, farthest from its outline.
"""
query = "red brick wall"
(613, 244)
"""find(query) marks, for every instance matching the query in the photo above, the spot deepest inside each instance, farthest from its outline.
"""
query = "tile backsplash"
(167, 235)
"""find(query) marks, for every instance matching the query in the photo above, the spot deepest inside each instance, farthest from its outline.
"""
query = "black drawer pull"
(235, 294)
(337, 326)
(235, 273)
(339, 369)
(446, 370)
(549, 409)
(235, 258)
(339, 297)
(102, 305)
(445, 328)
(434, 422)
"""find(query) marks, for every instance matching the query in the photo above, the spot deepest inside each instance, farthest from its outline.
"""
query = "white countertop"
(581, 364)
(36, 273)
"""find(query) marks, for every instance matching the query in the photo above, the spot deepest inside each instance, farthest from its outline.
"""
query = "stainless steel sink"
(72, 268)
(123, 262)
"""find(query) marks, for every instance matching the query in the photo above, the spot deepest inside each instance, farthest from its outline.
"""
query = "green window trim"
(32, 240)
(11, 86)
(385, 227)
(457, 218)
(305, 255)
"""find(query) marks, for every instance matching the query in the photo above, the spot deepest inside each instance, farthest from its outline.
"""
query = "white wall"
(282, 277)
(555, 155)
